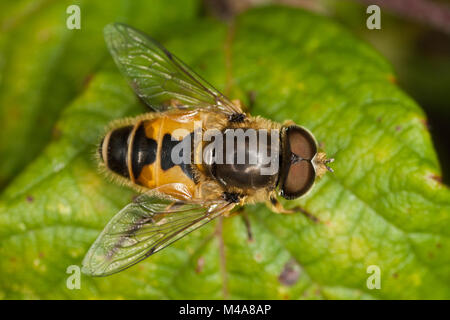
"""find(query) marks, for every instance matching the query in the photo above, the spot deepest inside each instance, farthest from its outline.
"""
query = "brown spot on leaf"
(316, 106)
(395, 275)
(225, 10)
(44, 35)
(425, 123)
(438, 245)
(290, 274)
(56, 133)
(391, 78)
(436, 178)
(87, 80)
(41, 255)
(200, 265)
(30, 199)
(398, 128)
(379, 119)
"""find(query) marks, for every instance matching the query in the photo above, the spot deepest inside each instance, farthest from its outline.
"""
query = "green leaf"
(383, 206)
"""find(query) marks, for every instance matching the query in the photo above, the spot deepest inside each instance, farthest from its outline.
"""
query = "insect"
(178, 197)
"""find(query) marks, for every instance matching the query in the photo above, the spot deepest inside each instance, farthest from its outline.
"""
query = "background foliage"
(385, 204)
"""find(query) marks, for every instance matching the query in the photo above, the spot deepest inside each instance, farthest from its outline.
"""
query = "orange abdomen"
(142, 150)
(163, 170)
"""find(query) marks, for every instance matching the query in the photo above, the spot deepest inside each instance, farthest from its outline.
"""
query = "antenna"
(328, 161)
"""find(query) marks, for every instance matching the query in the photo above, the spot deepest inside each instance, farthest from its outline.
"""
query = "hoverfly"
(180, 197)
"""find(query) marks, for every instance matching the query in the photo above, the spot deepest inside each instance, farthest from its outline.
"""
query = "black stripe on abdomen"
(117, 150)
(143, 152)
(166, 155)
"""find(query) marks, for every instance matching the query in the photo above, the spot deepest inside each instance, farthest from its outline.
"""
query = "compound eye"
(299, 180)
(301, 142)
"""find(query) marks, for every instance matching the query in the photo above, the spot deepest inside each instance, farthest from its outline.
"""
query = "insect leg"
(247, 226)
(244, 215)
(277, 207)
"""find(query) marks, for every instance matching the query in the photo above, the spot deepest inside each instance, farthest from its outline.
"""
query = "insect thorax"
(247, 159)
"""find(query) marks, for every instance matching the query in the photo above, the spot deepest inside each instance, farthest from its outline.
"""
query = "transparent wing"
(145, 226)
(158, 77)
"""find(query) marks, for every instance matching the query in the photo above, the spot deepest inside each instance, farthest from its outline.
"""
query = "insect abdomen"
(114, 150)
(144, 151)
(141, 151)
(127, 150)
